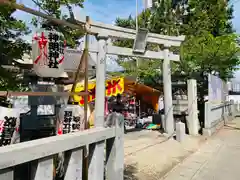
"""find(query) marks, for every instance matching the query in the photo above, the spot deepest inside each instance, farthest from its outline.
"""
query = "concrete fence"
(42, 151)
(216, 115)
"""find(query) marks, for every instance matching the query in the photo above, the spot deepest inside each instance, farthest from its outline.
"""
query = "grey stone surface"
(149, 155)
(217, 159)
(180, 131)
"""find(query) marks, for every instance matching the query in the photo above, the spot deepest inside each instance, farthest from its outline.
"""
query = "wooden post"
(86, 124)
(86, 77)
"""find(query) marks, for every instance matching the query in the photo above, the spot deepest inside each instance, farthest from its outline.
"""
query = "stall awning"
(119, 85)
(145, 93)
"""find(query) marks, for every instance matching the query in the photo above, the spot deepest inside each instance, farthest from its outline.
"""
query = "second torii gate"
(166, 55)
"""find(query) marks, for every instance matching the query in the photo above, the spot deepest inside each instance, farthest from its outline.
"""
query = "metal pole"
(136, 15)
(137, 63)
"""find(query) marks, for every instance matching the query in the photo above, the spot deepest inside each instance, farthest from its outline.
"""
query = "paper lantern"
(48, 49)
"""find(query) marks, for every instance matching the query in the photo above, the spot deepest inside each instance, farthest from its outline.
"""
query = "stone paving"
(149, 155)
(217, 159)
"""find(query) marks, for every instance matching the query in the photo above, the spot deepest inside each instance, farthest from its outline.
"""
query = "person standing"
(117, 107)
(161, 104)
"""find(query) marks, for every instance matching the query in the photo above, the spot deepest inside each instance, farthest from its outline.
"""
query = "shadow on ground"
(130, 172)
(133, 130)
(231, 127)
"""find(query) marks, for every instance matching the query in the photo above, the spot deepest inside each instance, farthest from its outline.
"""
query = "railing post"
(225, 111)
(207, 117)
(74, 167)
(6, 174)
(96, 150)
(44, 169)
(232, 108)
(115, 152)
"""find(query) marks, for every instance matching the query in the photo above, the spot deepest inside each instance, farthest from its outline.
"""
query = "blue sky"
(100, 10)
(106, 11)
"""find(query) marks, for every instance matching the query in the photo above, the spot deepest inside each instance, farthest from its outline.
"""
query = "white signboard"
(72, 118)
(215, 89)
(9, 123)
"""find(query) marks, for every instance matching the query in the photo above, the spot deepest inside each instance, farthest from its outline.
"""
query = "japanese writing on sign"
(70, 123)
(113, 88)
(48, 49)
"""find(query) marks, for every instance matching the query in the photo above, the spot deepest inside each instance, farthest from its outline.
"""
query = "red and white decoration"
(48, 54)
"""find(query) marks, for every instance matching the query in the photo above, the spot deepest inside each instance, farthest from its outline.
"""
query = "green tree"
(62, 9)
(12, 46)
(206, 24)
(209, 34)
(217, 54)
(213, 16)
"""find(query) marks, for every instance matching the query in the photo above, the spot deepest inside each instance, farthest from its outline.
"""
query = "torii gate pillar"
(167, 90)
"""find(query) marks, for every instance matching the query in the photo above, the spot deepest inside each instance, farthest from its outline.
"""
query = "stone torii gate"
(40, 149)
(105, 31)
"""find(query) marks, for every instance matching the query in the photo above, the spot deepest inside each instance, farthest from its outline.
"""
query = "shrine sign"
(48, 49)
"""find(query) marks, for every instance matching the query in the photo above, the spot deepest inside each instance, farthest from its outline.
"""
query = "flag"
(147, 4)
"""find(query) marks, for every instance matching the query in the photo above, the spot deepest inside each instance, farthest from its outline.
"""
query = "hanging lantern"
(48, 49)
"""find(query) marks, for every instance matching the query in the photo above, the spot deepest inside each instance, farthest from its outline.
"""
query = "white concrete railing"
(216, 115)
(44, 150)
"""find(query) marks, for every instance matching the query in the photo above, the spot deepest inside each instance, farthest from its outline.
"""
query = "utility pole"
(137, 63)
(136, 15)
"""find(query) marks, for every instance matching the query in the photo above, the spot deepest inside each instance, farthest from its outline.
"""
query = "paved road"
(218, 159)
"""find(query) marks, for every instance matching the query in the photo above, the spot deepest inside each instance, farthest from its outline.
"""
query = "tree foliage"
(62, 9)
(209, 54)
(210, 45)
(11, 45)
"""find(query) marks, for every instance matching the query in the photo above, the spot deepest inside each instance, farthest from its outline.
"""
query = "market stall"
(137, 98)
(119, 85)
